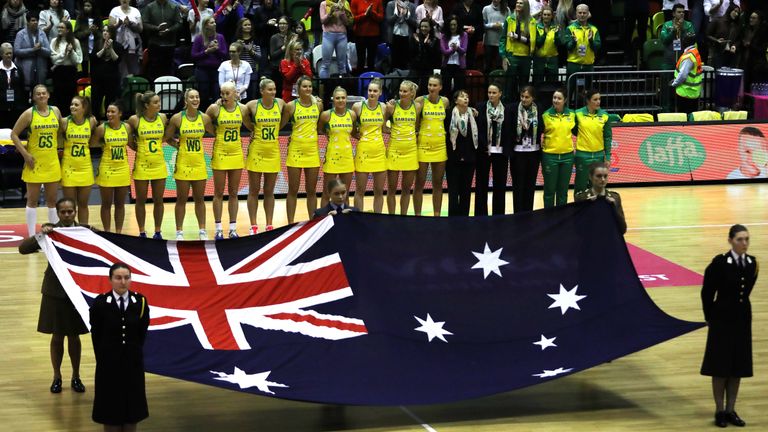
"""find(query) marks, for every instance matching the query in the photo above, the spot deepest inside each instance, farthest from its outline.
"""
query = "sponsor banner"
(641, 154)
(12, 235)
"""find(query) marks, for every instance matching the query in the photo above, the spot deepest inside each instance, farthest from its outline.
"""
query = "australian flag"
(382, 310)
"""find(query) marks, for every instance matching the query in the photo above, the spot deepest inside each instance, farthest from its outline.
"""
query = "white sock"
(218, 226)
(53, 216)
(31, 216)
(233, 226)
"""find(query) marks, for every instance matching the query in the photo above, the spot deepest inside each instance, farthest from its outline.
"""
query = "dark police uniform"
(589, 193)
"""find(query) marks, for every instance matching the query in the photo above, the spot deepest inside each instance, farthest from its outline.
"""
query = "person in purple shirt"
(208, 51)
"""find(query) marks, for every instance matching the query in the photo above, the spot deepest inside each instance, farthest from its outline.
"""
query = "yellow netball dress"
(228, 148)
(150, 162)
(338, 153)
(401, 155)
(113, 168)
(264, 151)
(43, 144)
(432, 132)
(302, 150)
(190, 159)
(76, 166)
(371, 154)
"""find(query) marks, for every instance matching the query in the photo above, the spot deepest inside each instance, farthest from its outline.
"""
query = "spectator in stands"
(401, 25)
(87, 26)
(226, 21)
(236, 71)
(432, 10)
(126, 19)
(581, 40)
(722, 34)
(751, 47)
(462, 146)
(516, 46)
(635, 16)
(300, 34)
(672, 33)
(250, 54)
(66, 54)
(535, 7)
(668, 8)
(208, 51)
(51, 17)
(292, 67)
(265, 20)
(494, 16)
(13, 19)
(495, 132)
(335, 15)
(32, 53)
(688, 77)
(16, 99)
(593, 139)
(161, 20)
(368, 15)
(277, 47)
(545, 58)
(196, 20)
(425, 51)
(526, 153)
(453, 46)
(717, 8)
(471, 20)
(105, 70)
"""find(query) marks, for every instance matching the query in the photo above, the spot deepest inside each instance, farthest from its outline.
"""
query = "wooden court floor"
(658, 389)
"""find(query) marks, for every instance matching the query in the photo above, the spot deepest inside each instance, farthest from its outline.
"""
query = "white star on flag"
(489, 261)
(432, 329)
(245, 380)
(566, 299)
(550, 373)
(546, 342)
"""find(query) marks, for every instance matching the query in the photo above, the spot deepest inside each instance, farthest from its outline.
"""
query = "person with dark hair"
(431, 152)
(265, 24)
(526, 152)
(278, 45)
(33, 51)
(425, 51)
(250, 53)
(598, 179)
(12, 20)
(337, 191)
(148, 126)
(463, 143)
(751, 46)
(494, 16)
(87, 28)
(292, 67)
(688, 77)
(114, 175)
(119, 322)
(236, 70)
(672, 34)
(495, 132)
(105, 70)
(723, 33)
(470, 15)
(161, 20)
(76, 166)
(58, 316)
(558, 124)
(226, 21)
(593, 138)
(728, 282)
(453, 46)
(516, 47)
(66, 54)
(753, 150)
(16, 98)
(400, 17)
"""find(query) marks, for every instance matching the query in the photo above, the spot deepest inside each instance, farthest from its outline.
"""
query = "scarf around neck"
(458, 126)
(495, 121)
(527, 125)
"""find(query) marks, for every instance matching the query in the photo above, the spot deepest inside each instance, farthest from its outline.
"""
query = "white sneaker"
(179, 235)
(219, 235)
(203, 235)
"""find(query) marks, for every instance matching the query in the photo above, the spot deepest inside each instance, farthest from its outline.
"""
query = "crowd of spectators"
(244, 40)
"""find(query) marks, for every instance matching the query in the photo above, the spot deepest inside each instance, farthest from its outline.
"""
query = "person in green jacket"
(672, 34)
(559, 123)
(545, 67)
(593, 139)
(581, 40)
(516, 46)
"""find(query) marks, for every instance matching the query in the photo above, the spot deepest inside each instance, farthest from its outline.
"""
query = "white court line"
(695, 226)
(426, 427)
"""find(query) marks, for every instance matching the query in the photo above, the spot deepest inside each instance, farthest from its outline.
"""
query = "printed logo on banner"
(672, 153)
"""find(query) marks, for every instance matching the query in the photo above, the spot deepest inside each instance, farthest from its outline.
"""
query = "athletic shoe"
(157, 235)
(233, 234)
(179, 235)
(203, 235)
(254, 230)
(143, 234)
(269, 228)
(219, 235)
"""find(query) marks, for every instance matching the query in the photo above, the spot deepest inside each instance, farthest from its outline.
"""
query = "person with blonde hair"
(338, 123)
(371, 153)
(402, 155)
(209, 50)
(292, 67)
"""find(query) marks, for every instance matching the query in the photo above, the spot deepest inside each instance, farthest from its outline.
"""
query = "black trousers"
(64, 87)
(399, 52)
(453, 79)
(524, 168)
(459, 176)
(498, 163)
(105, 89)
(159, 61)
(366, 52)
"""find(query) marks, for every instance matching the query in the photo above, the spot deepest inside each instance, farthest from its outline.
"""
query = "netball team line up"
(424, 131)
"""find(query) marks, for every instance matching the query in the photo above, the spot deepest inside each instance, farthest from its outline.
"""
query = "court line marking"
(694, 226)
(416, 418)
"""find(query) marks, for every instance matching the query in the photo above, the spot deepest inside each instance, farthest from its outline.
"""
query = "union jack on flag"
(377, 309)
